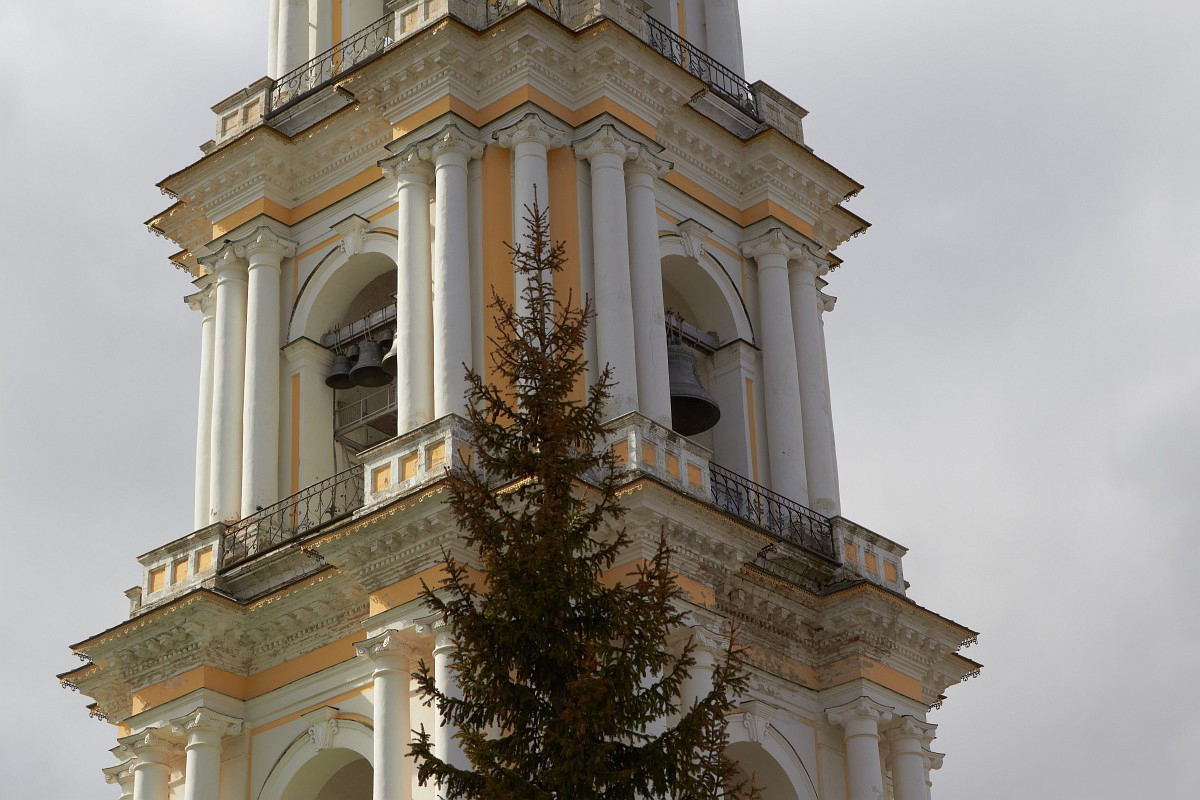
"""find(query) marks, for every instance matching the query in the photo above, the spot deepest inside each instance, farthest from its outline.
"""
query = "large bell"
(339, 373)
(389, 358)
(368, 370)
(692, 408)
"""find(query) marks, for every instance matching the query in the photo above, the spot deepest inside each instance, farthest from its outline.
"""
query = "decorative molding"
(861, 708)
(531, 128)
(607, 141)
(693, 234)
(352, 229)
(324, 727)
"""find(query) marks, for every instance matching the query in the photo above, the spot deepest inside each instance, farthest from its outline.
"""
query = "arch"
(708, 289)
(336, 281)
(778, 770)
(304, 768)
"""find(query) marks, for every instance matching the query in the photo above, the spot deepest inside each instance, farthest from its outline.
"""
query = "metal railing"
(501, 8)
(719, 78)
(320, 71)
(773, 512)
(332, 499)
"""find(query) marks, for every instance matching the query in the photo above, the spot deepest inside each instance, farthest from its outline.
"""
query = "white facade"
(370, 196)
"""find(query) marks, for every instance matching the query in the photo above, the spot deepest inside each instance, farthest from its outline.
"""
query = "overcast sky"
(1015, 354)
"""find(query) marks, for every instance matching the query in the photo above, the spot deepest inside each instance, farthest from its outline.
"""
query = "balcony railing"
(330, 500)
(307, 78)
(783, 517)
(373, 40)
(719, 78)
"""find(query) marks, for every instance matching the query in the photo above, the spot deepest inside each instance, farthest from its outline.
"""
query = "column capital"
(772, 243)
(911, 731)
(407, 166)
(607, 140)
(450, 140)
(121, 774)
(224, 263)
(811, 260)
(647, 163)
(202, 299)
(826, 302)
(531, 128)
(933, 760)
(264, 241)
(386, 652)
(860, 708)
(204, 720)
(150, 746)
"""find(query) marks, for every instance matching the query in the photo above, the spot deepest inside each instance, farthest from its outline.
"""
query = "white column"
(859, 720)
(122, 775)
(723, 33)
(229, 377)
(264, 251)
(152, 772)
(389, 657)
(781, 393)
(606, 152)
(827, 304)
(293, 35)
(645, 271)
(699, 681)
(530, 141)
(445, 746)
(907, 743)
(204, 730)
(820, 467)
(273, 39)
(413, 344)
(308, 364)
(932, 761)
(451, 150)
(202, 301)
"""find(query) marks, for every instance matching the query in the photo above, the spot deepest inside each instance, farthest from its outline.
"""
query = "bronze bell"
(339, 372)
(368, 371)
(693, 409)
(389, 358)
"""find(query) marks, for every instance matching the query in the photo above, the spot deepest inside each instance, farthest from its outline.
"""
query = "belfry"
(344, 232)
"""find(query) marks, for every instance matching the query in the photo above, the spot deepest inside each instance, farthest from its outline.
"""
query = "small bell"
(339, 372)
(368, 370)
(693, 409)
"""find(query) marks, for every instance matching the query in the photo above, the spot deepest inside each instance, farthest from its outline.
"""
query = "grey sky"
(1014, 355)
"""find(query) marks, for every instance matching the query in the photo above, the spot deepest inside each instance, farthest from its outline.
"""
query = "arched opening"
(353, 294)
(351, 782)
(334, 774)
(702, 293)
(338, 769)
(770, 778)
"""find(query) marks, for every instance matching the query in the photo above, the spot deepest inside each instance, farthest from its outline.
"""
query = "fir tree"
(562, 677)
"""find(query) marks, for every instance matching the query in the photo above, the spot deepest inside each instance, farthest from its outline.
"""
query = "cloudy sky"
(1015, 355)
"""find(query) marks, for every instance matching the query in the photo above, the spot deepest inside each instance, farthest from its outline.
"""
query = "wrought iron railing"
(773, 512)
(332, 499)
(720, 78)
(320, 71)
(500, 8)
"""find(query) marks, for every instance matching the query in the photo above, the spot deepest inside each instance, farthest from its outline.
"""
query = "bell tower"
(343, 232)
